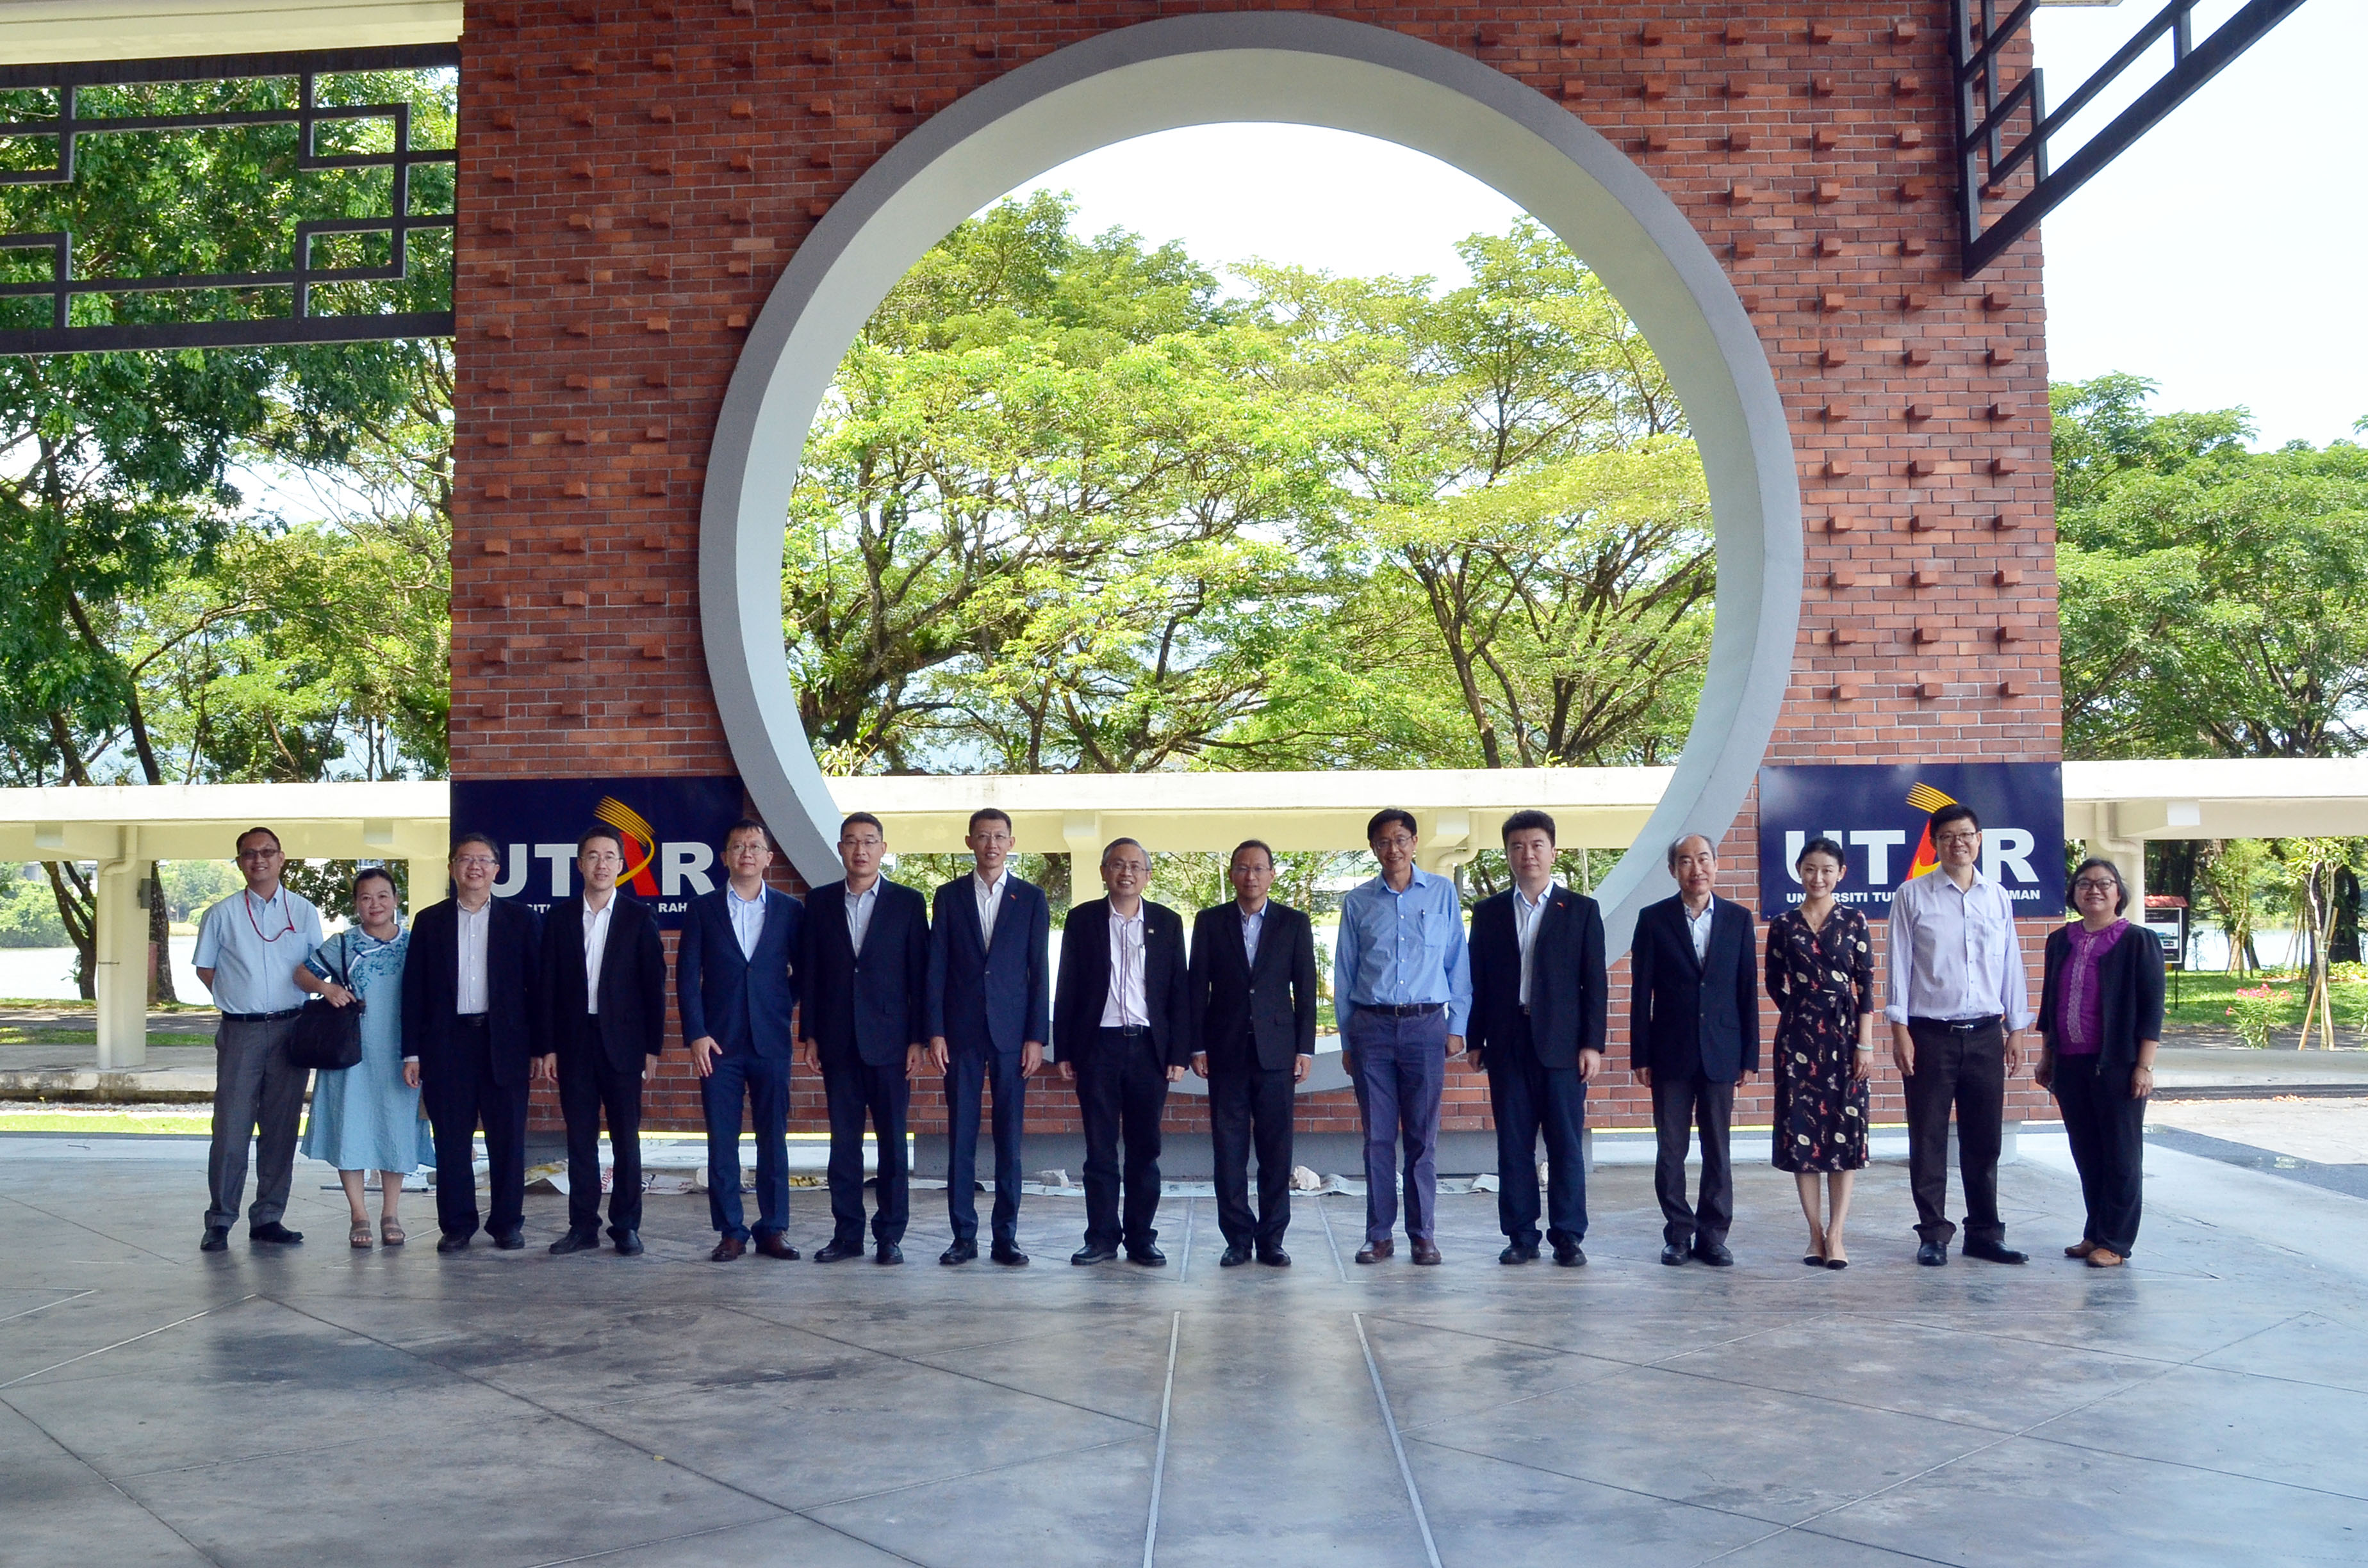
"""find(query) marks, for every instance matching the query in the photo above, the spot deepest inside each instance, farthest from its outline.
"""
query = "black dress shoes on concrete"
(1236, 1255)
(772, 1244)
(276, 1233)
(1275, 1257)
(1569, 1254)
(509, 1241)
(1373, 1252)
(1088, 1255)
(217, 1239)
(1426, 1252)
(726, 1249)
(1932, 1255)
(1714, 1254)
(1147, 1255)
(629, 1243)
(1992, 1251)
(1517, 1253)
(451, 1243)
(1676, 1253)
(890, 1254)
(838, 1251)
(1008, 1254)
(575, 1241)
(960, 1252)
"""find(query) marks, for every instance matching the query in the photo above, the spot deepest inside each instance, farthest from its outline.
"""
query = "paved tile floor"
(323, 1407)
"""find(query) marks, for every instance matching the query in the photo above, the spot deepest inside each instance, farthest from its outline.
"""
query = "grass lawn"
(111, 1120)
(2203, 1001)
(17, 1034)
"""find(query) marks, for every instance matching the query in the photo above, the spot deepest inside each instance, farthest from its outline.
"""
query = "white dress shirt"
(860, 906)
(990, 900)
(1954, 954)
(1526, 917)
(1125, 1008)
(1253, 927)
(748, 918)
(595, 944)
(469, 998)
(1698, 927)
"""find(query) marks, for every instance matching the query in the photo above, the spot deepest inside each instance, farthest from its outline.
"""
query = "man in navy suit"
(1693, 1032)
(1537, 1025)
(734, 983)
(864, 967)
(988, 1012)
(1120, 1024)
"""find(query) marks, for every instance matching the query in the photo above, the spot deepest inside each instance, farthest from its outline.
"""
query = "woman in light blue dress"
(366, 1118)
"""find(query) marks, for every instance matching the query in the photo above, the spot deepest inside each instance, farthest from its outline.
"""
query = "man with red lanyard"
(248, 947)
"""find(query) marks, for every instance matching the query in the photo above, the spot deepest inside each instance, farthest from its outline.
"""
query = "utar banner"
(672, 830)
(1878, 814)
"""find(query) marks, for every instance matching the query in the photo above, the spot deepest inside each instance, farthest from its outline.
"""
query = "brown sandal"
(358, 1238)
(2105, 1257)
(390, 1233)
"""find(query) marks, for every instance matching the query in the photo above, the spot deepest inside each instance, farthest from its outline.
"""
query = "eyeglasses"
(604, 858)
(1394, 841)
(475, 861)
(258, 854)
(1957, 837)
(2096, 884)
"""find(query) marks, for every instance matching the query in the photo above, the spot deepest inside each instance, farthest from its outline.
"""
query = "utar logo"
(1878, 864)
(655, 867)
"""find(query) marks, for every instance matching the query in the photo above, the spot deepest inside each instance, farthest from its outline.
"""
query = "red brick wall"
(634, 178)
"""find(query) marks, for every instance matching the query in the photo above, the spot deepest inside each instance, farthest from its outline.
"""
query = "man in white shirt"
(1958, 1002)
(248, 947)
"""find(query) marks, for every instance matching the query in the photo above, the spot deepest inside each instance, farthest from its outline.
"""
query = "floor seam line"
(1159, 1460)
(135, 1339)
(110, 1483)
(1397, 1447)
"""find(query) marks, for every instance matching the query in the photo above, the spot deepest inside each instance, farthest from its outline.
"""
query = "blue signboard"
(672, 829)
(1878, 814)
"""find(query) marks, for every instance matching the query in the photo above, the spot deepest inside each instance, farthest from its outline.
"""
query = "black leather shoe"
(1088, 1255)
(1517, 1253)
(276, 1233)
(1932, 1255)
(1008, 1254)
(451, 1243)
(772, 1244)
(1714, 1254)
(838, 1251)
(575, 1241)
(888, 1254)
(1676, 1253)
(1236, 1255)
(1993, 1252)
(1275, 1257)
(509, 1241)
(1148, 1256)
(1570, 1254)
(217, 1239)
(628, 1244)
(960, 1252)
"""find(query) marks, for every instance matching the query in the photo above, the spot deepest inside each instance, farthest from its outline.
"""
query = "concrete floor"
(318, 1407)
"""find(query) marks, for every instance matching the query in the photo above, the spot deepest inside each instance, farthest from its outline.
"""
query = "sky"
(2223, 256)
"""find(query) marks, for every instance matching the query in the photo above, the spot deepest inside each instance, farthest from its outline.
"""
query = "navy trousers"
(854, 1089)
(969, 1071)
(456, 1099)
(1401, 1070)
(764, 1085)
(1528, 1100)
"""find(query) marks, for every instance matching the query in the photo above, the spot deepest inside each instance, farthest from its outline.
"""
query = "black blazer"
(431, 987)
(982, 1000)
(1686, 1016)
(1567, 988)
(866, 1008)
(2129, 984)
(632, 981)
(1233, 1002)
(1083, 988)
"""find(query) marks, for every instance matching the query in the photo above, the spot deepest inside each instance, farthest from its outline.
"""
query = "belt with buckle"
(261, 1018)
(1962, 1026)
(1127, 1031)
(1407, 1010)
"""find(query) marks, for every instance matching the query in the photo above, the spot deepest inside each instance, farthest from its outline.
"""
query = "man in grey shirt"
(1958, 1003)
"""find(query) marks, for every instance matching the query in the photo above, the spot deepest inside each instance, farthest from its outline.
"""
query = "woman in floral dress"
(1821, 976)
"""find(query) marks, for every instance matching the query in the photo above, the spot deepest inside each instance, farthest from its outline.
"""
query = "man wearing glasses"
(248, 947)
(472, 1023)
(1958, 1003)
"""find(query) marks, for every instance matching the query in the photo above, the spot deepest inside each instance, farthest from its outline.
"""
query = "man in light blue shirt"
(1402, 989)
(248, 947)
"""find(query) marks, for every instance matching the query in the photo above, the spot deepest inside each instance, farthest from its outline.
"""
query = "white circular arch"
(1272, 67)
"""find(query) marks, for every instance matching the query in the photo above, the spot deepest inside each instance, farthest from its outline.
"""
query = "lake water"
(47, 973)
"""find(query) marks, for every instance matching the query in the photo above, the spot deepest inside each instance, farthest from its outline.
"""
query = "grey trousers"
(258, 1091)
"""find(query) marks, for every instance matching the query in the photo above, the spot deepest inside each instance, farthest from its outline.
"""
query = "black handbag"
(327, 1037)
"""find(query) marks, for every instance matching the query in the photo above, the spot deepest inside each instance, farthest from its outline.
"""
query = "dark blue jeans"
(1401, 1069)
(968, 1071)
(764, 1085)
(1527, 1100)
(853, 1088)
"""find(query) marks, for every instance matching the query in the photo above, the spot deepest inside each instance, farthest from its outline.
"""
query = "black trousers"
(1122, 1095)
(1526, 1098)
(1681, 1106)
(460, 1094)
(1251, 1105)
(853, 1088)
(1965, 1069)
(2107, 1132)
(589, 1087)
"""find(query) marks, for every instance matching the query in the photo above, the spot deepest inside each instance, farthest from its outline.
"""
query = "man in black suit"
(864, 967)
(605, 979)
(1251, 994)
(472, 1020)
(1119, 1030)
(1538, 991)
(1693, 1032)
(989, 1012)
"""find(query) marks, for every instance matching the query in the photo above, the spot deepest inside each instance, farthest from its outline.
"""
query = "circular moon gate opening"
(1260, 67)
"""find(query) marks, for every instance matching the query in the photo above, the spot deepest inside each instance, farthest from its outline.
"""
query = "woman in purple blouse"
(2099, 1024)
